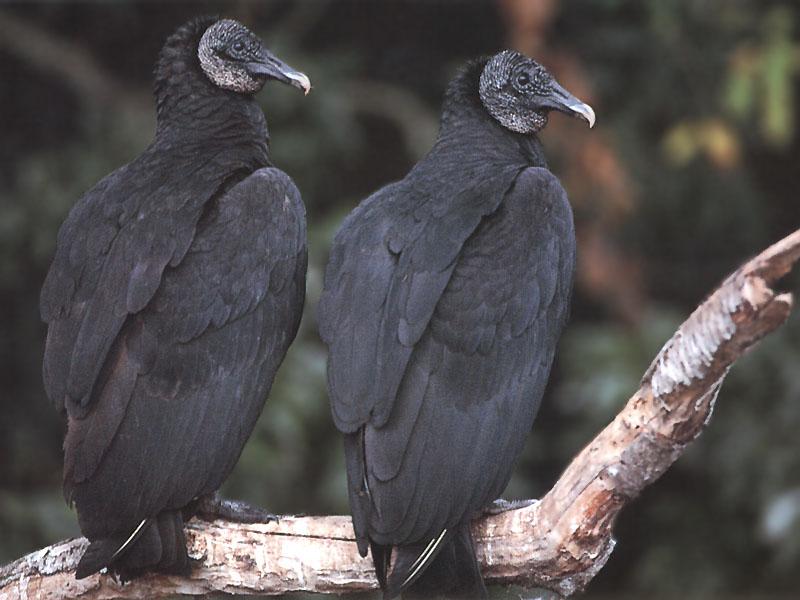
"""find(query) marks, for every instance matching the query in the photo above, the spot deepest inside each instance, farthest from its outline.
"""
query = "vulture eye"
(236, 49)
(523, 80)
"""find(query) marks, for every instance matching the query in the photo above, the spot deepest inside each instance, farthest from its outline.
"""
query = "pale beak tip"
(588, 114)
(303, 81)
(583, 111)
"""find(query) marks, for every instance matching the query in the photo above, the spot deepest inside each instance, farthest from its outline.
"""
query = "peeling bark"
(559, 543)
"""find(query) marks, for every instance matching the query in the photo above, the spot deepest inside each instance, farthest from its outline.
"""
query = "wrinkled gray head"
(235, 59)
(519, 93)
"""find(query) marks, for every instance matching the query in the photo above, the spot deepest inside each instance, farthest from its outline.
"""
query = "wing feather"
(212, 338)
(484, 333)
(111, 253)
(389, 264)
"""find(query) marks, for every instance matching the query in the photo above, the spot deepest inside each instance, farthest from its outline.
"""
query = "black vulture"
(177, 286)
(444, 299)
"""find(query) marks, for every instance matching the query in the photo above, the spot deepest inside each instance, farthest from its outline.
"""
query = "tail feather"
(445, 566)
(381, 558)
(154, 545)
(410, 562)
(97, 557)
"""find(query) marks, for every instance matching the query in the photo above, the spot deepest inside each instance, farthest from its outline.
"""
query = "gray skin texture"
(176, 288)
(444, 298)
(235, 59)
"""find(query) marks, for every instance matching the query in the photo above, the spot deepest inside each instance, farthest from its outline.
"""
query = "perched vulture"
(444, 299)
(176, 288)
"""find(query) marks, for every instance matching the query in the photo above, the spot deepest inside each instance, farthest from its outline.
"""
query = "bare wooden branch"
(559, 543)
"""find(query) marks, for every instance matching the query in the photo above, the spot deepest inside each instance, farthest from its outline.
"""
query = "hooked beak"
(561, 100)
(271, 67)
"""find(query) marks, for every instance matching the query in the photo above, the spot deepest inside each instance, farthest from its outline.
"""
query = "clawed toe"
(213, 507)
(500, 505)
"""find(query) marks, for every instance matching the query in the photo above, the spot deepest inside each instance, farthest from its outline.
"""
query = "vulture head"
(235, 59)
(519, 93)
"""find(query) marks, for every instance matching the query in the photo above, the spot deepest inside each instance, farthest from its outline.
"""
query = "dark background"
(693, 167)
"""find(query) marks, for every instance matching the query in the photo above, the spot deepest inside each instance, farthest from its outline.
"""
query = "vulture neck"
(467, 125)
(196, 114)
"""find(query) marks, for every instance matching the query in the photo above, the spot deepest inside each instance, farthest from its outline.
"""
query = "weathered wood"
(559, 543)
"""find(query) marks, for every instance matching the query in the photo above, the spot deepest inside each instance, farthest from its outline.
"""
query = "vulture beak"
(271, 67)
(561, 100)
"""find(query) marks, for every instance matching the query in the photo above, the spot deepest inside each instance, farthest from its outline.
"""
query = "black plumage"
(176, 288)
(444, 299)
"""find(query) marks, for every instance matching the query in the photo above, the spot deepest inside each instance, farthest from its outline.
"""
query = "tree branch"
(559, 543)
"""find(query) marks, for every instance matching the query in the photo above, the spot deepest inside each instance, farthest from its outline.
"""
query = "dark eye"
(238, 47)
(523, 80)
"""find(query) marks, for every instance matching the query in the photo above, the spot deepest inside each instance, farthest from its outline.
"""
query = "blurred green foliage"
(697, 99)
